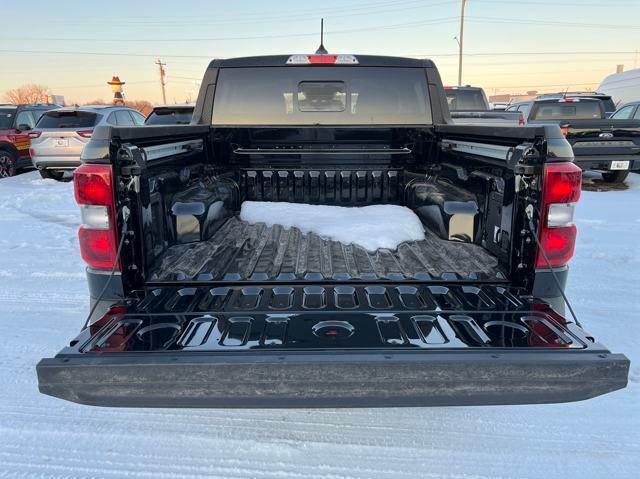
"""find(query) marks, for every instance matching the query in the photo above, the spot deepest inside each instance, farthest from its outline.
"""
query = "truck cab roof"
(280, 60)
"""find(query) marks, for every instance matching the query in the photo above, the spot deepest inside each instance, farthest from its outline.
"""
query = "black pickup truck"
(194, 307)
(607, 145)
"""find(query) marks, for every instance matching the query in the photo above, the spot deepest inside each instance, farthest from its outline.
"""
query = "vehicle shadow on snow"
(594, 182)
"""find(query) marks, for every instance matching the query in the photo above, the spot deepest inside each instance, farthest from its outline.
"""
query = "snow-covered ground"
(43, 300)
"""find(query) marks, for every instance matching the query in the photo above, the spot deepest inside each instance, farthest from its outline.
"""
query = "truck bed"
(243, 251)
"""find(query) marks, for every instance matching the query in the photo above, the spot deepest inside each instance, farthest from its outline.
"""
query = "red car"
(15, 123)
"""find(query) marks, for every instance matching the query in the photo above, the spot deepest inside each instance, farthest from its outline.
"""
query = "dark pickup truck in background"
(468, 105)
(607, 145)
(194, 307)
(608, 105)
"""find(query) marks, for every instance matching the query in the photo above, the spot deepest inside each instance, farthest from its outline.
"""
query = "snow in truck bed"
(372, 227)
(44, 300)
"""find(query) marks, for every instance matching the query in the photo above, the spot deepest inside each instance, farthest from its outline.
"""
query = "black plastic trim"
(285, 380)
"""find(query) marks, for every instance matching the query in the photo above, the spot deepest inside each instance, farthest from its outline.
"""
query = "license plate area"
(329, 318)
(619, 165)
(61, 142)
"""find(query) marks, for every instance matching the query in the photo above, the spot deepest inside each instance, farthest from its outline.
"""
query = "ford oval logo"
(606, 135)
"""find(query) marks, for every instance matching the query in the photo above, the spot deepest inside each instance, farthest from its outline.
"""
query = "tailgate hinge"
(133, 161)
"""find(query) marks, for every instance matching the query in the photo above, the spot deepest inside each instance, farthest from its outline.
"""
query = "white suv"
(60, 135)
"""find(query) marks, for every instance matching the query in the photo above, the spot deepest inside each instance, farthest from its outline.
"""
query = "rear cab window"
(68, 119)
(170, 116)
(466, 99)
(321, 96)
(574, 110)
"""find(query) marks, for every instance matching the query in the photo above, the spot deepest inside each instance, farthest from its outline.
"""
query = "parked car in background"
(608, 145)
(15, 123)
(627, 111)
(499, 105)
(60, 135)
(469, 105)
(179, 114)
(607, 102)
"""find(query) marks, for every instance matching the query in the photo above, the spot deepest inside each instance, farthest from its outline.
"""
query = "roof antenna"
(321, 49)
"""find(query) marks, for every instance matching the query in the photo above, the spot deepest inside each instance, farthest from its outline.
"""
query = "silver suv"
(60, 135)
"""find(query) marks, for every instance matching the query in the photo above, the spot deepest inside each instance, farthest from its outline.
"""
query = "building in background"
(513, 97)
(56, 99)
(623, 86)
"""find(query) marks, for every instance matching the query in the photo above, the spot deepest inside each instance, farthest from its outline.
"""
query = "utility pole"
(162, 82)
(460, 41)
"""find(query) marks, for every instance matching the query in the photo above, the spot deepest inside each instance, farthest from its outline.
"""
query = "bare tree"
(99, 101)
(143, 106)
(28, 94)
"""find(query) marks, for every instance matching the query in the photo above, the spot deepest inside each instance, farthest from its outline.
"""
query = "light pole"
(161, 65)
(460, 42)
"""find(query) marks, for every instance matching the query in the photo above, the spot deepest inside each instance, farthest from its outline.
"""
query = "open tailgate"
(331, 346)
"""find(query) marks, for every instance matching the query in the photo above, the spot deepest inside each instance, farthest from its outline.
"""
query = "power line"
(172, 77)
(436, 21)
(564, 4)
(99, 85)
(511, 73)
(544, 86)
(492, 54)
(528, 62)
(209, 57)
(516, 21)
(362, 9)
(419, 23)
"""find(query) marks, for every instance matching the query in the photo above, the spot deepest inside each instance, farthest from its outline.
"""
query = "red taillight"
(322, 58)
(97, 247)
(85, 133)
(93, 186)
(561, 191)
(32, 152)
(34, 134)
(562, 183)
(520, 121)
(558, 244)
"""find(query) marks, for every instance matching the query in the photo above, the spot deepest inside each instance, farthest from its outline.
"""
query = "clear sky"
(510, 46)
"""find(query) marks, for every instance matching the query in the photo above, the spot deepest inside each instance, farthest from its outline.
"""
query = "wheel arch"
(10, 147)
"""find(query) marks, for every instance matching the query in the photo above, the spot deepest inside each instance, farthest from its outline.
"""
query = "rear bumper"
(56, 162)
(603, 162)
(24, 162)
(337, 379)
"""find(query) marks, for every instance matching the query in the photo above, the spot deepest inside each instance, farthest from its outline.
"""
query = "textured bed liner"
(243, 251)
